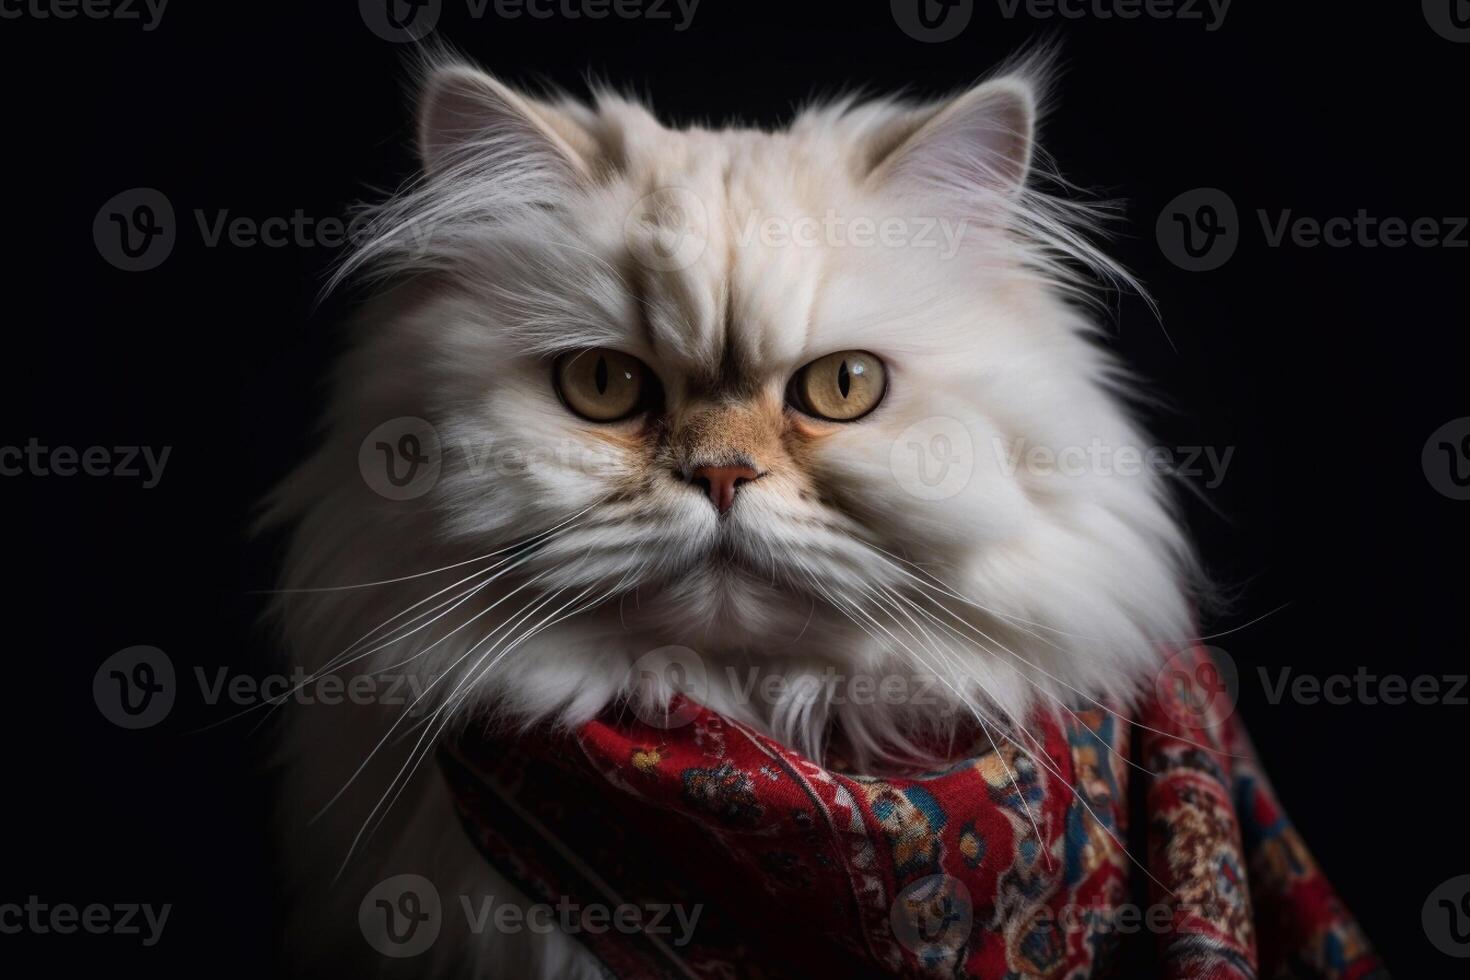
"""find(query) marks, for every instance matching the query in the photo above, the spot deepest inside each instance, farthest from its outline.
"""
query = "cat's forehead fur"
(744, 304)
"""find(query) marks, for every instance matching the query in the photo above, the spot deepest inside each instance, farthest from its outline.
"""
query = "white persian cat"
(774, 397)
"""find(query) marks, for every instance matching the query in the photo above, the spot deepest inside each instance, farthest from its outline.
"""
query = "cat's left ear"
(981, 141)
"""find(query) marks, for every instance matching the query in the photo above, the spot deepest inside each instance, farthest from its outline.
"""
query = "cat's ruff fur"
(517, 245)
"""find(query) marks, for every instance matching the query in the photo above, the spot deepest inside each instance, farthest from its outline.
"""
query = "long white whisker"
(980, 717)
(1041, 759)
(1022, 674)
(518, 559)
(424, 744)
(423, 694)
(1015, 783)
(336, 663)
(940, 585)
(444, 714)
(434, 571)
(466, 684)
(1082, 694)
(399, 775)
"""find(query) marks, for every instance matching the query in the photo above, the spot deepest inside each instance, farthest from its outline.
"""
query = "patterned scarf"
(1013, 863)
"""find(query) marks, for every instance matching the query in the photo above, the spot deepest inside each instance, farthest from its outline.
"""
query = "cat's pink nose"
(721, 482)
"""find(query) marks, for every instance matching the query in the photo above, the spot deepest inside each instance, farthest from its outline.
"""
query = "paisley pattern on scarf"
(1012, 863)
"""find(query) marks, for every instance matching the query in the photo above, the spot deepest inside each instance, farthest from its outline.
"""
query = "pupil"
(844, 380)
(599, 375)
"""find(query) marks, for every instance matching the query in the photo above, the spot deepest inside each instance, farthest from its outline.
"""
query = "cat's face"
(748, 377)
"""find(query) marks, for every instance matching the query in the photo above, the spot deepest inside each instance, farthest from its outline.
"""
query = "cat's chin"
(730, 604)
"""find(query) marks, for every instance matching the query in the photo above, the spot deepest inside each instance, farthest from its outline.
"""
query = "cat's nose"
(721, 482)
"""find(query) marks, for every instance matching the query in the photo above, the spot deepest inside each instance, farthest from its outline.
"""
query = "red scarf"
(995, 866)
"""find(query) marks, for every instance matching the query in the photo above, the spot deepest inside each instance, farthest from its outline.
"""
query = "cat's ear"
(981, 140)
(464, 113)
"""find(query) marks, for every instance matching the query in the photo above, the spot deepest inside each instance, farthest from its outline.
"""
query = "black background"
(1326, 369)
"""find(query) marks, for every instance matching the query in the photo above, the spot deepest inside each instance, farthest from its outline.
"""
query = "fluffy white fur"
(1025, 589)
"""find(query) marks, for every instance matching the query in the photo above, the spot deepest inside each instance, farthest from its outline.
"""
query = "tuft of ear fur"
(983, 138)
(491, 156)
(976, 156)
(464, 113)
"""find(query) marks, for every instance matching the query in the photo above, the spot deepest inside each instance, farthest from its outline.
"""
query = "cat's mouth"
(729, 555)
(740, 558)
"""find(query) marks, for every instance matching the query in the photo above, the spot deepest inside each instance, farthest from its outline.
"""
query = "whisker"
(1015, 783)
(1040, 757)
(471, 678)
(1041, 753)
(426, 741)
(399, 775)
(1087, 697)
(1022, 674)
(517, 559)
(980, 717)
(336, 662)
(434, 571)
(423, 694)
(941, 585)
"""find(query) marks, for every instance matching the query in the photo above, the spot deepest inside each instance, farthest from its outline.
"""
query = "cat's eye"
(602, 385)
(840, 387)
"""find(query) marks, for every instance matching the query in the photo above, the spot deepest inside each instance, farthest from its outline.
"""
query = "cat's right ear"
(467, 117)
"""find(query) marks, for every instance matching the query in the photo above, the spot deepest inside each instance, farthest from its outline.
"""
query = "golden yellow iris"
(842, 386)
(601, 384)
